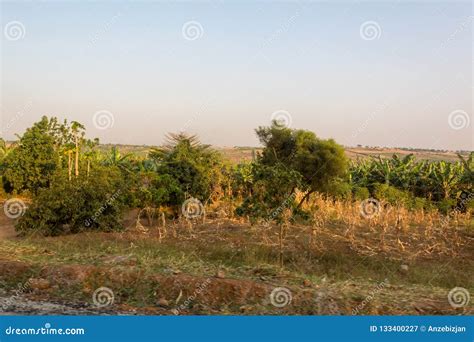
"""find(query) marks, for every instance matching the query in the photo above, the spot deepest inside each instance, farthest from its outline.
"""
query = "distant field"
(241, 154)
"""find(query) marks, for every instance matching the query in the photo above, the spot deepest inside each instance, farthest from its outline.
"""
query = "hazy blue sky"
(379, 73)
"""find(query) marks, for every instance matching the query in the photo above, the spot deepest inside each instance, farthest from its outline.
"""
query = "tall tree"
(319, 161)
(33, 162)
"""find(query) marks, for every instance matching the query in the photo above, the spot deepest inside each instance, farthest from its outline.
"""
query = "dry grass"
(332, 265)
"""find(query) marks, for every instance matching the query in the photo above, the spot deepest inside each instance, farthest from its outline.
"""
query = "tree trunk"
(88, 167)
(77, 159)
(69, 164)
(306, 196)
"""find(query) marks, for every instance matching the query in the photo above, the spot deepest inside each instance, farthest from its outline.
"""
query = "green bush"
(420, 203)
(272, 192)
(194, 167)
(32, 164)
(392, 195)
(360, 193)
(339, 189)
(446, 205)
(156, 190)
(84, 203)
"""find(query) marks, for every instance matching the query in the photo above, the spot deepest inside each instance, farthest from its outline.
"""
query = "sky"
(383, 73)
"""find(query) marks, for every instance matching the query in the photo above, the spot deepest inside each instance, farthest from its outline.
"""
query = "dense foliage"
(75, 186)
(85, 203)
(32, 163)
(441, 182)
(320, 162)
(194, 167)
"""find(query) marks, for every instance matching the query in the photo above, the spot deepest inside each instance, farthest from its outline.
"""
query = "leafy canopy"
(318, 161)
(194, 166)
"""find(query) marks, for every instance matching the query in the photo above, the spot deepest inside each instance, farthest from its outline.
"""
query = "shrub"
(392, 195)
(446, 205)
(84, 203)
(195, 167)
(156, 190)
(420, 203)
(272, 192)
(31, 165)
(360, 193)
(339, 189)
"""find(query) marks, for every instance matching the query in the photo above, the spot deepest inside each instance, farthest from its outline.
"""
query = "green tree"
(272, 192)
(32, 164)
(71, 206)
(319, 161)
(195, 166)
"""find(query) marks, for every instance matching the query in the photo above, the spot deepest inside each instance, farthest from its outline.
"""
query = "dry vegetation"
(398, 262)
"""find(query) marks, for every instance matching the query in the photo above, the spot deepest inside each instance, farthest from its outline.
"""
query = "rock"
(307, 283)
(163, 302)
(39, 283)
(404, 268)
(176, 272)
(220, 274)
